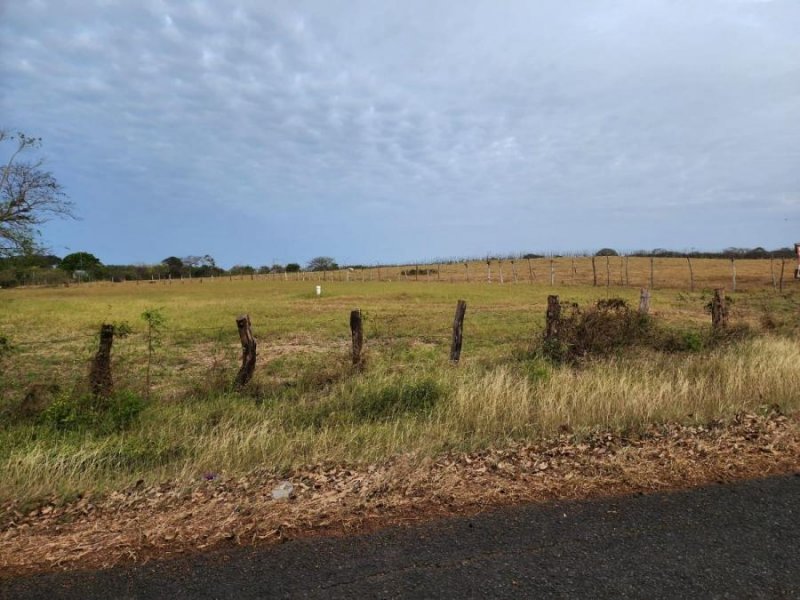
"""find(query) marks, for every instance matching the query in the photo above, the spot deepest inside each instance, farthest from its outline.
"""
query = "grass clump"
(397, 398)
(85, 413)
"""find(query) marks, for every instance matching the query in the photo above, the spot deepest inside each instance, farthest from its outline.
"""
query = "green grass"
(306, 404)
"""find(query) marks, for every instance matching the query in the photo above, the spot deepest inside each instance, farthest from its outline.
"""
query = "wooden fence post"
(627, 275)
(652, 273)
(644, 301)
(100, 379)
(772, 274)
(416, 272)
(783, 266)
(514, 271)
(488, 270)
(531, 272)
(608, 271)
(466, 269)
(458, 331)
(594, 272)
(691, 274)
(248, 351)
(733, 272)
(500, 269)
(552, 272)
(719, 312)
(357, 333)
(552, 318)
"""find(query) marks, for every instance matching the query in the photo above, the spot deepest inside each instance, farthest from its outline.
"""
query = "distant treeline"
(48, 269)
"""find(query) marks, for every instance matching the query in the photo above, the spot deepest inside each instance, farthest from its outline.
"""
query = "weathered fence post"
(644, 301)
(500, 269)
(357, 333)
(691, 274)
(466, 269)
(100, 379)
(488, 270)
(733, 273)
(552, 272)
(608, 271)
(594, 272)
(248, 351)
(719, 312)
(783, 266)
(458, 331)
(652, 273)
(514, 271)
(772, 274)
(552, 318)
(627, 274)
(531, 272)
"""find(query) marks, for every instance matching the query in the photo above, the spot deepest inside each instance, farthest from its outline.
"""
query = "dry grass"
(371, 417)
(143, 522)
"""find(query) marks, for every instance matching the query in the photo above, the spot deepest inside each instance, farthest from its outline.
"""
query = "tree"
(29, 197)
(322, 263)
(241, 270)
(292, 268)
(81, 261)
(607, 252)
(174, 266)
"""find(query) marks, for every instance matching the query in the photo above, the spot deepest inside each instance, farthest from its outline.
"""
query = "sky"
(390, 131)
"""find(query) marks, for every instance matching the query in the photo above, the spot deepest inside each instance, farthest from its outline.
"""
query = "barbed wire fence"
(188, 356)
(686, 273)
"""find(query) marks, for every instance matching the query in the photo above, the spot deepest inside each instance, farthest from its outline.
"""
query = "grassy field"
(306, 404)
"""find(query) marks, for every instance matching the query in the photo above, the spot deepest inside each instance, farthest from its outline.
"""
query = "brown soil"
(144, 523)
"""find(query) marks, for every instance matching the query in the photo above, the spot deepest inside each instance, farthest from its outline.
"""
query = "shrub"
(396, 399)
(85, 413)
(608, 326)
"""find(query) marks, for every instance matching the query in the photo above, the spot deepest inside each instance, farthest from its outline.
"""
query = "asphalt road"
(726, 541)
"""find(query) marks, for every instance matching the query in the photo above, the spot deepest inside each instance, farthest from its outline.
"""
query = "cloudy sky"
(384, 131)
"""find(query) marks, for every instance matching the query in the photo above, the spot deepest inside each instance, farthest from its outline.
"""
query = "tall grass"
(375, 415)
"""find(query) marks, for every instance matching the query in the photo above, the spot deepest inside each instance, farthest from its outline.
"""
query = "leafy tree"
(322, 263)
(174, 266)
(81, 261)
(607, 252)
(292, 268)
(29, 197)
(263, 270)
(241, 270)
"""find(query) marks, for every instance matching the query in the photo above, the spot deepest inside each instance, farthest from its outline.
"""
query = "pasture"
(307, 404)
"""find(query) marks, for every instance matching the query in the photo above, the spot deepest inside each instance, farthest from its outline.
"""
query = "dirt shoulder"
(145, 523)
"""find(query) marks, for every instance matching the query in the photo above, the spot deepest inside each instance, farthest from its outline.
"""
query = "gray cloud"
(518, 124)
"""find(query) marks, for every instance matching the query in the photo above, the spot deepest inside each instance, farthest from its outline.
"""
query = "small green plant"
(693, 341)
(82, 413)
(155, 320)
(5, 346)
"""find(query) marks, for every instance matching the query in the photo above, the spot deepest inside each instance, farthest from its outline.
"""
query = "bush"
(396, 399)
(600, 330)
(80, 413)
